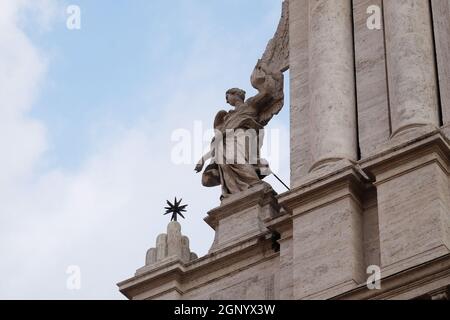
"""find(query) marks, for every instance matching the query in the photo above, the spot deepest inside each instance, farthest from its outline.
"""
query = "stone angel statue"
(240, 131)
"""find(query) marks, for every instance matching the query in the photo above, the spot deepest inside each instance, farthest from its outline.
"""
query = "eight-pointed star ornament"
(175, 209)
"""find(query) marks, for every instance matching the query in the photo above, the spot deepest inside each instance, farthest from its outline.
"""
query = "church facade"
(368, 213)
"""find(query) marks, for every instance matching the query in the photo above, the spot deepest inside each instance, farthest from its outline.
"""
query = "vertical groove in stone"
(371, 81)
(300, 143)
(441, 18)
(386, 66)
(332, 82)
(433, 35)
(358, 147)
(411, 65)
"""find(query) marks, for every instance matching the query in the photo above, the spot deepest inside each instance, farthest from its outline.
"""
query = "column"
(411, 65)
(332, 82)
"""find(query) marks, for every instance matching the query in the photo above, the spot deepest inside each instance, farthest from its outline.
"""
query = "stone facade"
(370, 167)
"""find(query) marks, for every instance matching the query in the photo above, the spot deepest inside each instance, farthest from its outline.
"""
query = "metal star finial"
(175, 208)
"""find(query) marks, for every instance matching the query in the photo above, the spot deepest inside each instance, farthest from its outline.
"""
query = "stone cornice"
(176, 271)
(346, 182)
(396, 285)
(409, 156)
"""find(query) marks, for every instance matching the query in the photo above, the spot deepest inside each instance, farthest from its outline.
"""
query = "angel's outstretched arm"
(207, 156)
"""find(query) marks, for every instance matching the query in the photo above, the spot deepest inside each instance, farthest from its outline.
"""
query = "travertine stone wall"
(323, 109)
(411, 64)
(170, 245)
(441, 18)
(371, 79)
(174, 243)
(371, 230)
(413, 208)
(301, 159)
(256, 282)
(161, 248)
(396, 69)
(286, 275)
(327, 233)
(412, 214)
(240, 217)
(331, 82)
(327, 250)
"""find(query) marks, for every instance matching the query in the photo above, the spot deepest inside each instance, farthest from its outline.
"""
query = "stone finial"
(170, 245)
(151, 256)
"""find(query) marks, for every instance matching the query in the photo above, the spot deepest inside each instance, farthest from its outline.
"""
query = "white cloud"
(22, 140)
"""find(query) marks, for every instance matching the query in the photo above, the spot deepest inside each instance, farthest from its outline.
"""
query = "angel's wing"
(275, 60)
(270, 85)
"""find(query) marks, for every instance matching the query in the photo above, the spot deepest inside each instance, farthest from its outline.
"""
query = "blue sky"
(88, 116)
(106, 71)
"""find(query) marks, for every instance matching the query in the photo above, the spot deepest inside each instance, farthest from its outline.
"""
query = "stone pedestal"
(327, 235)
(241, 216)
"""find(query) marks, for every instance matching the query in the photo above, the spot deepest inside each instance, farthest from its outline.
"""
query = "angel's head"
(235, 96)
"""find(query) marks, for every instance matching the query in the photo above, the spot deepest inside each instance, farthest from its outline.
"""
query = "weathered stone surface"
(331, 82)
(161, 247)
(285, 272)
(241, 216)
(301, 155)
(328, 256)
(185, 250)
(411, 65)
(213, 276)
(151, 257)
(371, 230)
(421, 282)
(174, 239)
(170, 246)
(441, 18)
(413, 203)
(323, 108)
(372, 88)
(253, 283)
